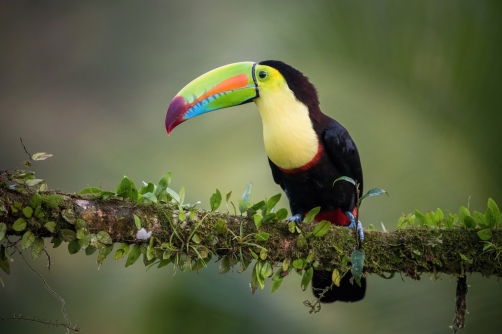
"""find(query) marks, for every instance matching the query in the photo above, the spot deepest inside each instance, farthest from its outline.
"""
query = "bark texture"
(411, 251)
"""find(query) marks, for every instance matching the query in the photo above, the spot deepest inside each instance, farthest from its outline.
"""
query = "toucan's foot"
(352, 224)
(296, 218)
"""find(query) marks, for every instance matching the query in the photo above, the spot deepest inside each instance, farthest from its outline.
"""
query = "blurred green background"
(417, 84)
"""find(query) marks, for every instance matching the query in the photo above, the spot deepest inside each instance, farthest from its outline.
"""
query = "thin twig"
(25, 148)
(49, 289)
(40, 321)
(48, 261)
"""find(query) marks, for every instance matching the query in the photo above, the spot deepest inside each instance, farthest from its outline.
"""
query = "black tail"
(346, 292)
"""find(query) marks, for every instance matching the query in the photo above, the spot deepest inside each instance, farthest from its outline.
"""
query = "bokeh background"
(417, 84)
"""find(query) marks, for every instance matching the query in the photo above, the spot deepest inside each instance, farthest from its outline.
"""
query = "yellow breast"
(290, 140)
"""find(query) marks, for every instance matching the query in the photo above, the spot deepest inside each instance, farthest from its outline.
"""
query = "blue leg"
(296, 218)
(353, 224)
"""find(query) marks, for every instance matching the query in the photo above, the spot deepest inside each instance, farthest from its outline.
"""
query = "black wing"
(342, 152)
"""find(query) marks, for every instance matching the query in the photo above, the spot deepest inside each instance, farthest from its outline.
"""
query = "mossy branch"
(411, 251)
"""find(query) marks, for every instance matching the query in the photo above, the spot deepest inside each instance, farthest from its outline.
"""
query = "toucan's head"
(236, 84)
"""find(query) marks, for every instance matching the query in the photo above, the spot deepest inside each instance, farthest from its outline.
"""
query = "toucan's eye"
(262, 74)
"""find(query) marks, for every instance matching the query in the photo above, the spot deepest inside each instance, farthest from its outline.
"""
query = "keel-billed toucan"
(307, 150)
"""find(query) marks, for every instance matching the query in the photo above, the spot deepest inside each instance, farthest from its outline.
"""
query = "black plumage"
(312, 185)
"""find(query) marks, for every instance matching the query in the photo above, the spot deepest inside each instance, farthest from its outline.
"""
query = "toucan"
(307, 150)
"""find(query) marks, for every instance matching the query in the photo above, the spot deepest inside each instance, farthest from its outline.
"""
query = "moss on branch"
(410, 251)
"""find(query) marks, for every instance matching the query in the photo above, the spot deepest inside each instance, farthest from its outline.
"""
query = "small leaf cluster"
(25, 180)
(485, 222)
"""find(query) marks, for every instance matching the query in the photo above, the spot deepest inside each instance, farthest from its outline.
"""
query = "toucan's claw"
(296, 218)
(352, 224)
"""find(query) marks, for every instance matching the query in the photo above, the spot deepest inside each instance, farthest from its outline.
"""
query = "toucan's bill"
(223, 87)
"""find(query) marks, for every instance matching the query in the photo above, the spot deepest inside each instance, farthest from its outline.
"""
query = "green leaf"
(245, 198)
(19, 225)
(281, 214)
(150, 196)
(137, 221)
(465, 258)
(321, 229)
(173, 194)
(84, 238)
(307, 277)
(485, 234)
(490, 219)
(430, 218)
(221, 227)
(181, 214)
(496, 212)
(103, 253)
(163, 183)
(67, 235)
(27, 212)
(56, 241)
(345, 178)
(272, 202)
(254, 278)
(148, 188)
(27, 240)
(80, 233)
(182, 195)
(336, 277)
(421, 218)
(40, 156)
(36, 200)
(39, 213)
(470, 222)
(90, 190)
(224, 265)
(253, 254)
(263, 236)
(53, 201)
(357, 260)
(50, 226)
(373, 192)
(464, 213)
(215, 200)
(257, 221)
(80, 224)
(104, 238)
(371, 227)
(310, 256)
(73, 247)
(250, 211)
(439, 216)
(265, 270)
(89, 250)
(298, 263)
(404, 220)
(480, 219)
(134, 254)
(301, 242)
(163, 263)
(263, 254)
(276, 281)
(37, 247)
(268, 218)
(196, 238)
(127, 189)
(34, 182)
(3, 230)
(311, 215)
(292, 227)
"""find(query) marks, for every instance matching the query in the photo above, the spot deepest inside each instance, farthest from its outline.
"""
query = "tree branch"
(411, 251)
